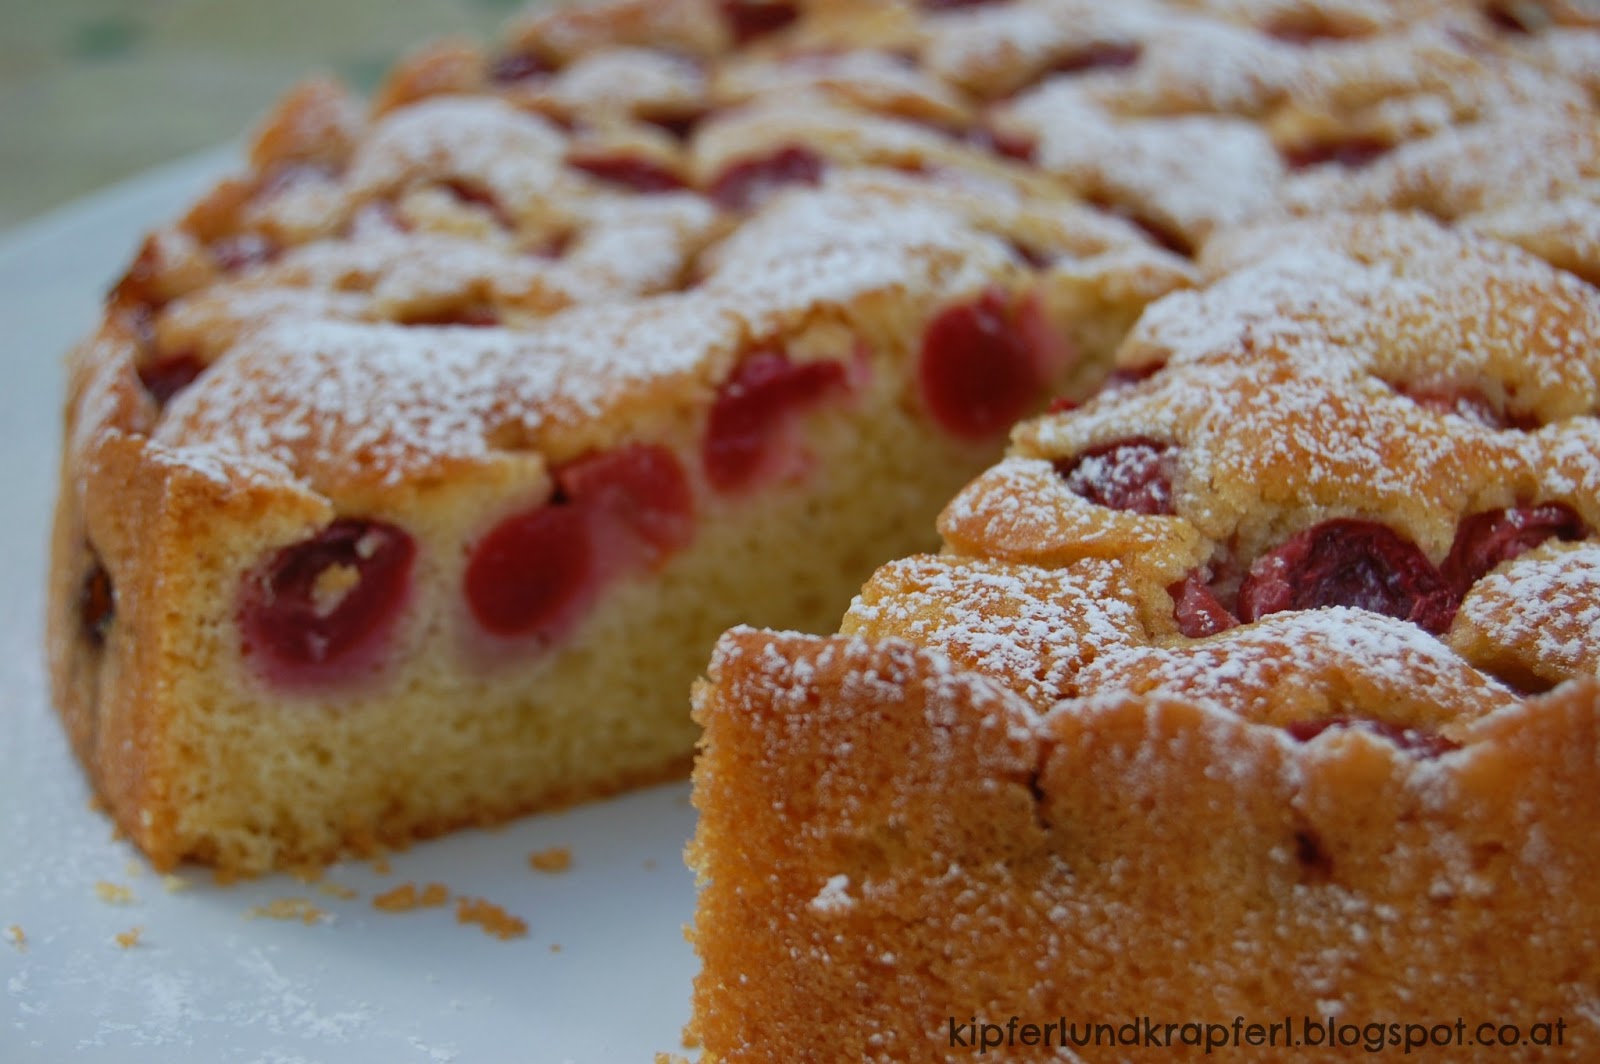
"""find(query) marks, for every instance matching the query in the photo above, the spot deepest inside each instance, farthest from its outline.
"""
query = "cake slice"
(1263, 685)
(412, 476)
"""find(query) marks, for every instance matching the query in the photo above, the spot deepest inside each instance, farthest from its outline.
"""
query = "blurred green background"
(92, 91)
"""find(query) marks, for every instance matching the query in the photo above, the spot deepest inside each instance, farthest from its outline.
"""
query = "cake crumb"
(302, 909)
(17, 938)
(338, 890)
(555, 859)
(113, 893)
(489, 916)
(381, 866)
(134, 868)
(172, 884)
(671, 1058)
(649, 864)
(555, 947)
(406, 897)
(129, 938)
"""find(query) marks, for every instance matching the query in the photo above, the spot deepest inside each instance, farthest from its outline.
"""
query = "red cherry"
(534, 573)
(1134, 474)
(1486, 539)
(979, 372)
(1348, 562)
(1023, 149)
(745, 184)
(749, 425)
(169, 376)
(479, 196)
(319, 611)
(639, 492)
(680, 126)
(97, 604)
(538, 571)
(1352, 153)
(629, 171)
(1197, 609)
(1469, 403)
(474, 315)
(517, 66)
(750, 19)
(1106, 56)
(1422, 743)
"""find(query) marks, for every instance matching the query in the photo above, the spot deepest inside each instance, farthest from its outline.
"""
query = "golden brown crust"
(932, 851)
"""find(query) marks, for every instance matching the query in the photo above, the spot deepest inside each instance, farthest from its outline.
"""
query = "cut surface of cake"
(411, 476)
(1261, 685)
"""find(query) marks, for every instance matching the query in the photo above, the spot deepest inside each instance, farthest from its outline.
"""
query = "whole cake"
(412, 473)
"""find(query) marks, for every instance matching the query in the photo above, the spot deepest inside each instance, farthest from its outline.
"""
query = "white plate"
(603, 974)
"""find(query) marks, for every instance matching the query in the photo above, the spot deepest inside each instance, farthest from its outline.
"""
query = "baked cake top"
(624, 198)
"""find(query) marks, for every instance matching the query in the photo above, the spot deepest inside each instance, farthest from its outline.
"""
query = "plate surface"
(602, 975)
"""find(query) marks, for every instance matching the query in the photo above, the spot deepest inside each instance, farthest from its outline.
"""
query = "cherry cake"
(412, 474)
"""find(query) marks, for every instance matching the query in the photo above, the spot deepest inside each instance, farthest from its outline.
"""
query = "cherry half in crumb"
(1419, 742)
(536, 573)
(1134, 474)
(320, 611)
(1349, 562)
(97, 604)
(1198, 609)
(985, 363)
(748, 20)
(166, 377)
(1486, 539)
(750, 432)
(633, 172)
(747, 183)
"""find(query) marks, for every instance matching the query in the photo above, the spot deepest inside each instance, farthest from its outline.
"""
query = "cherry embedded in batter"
(980, 370)
(1352, 153)
(166, 377)
(478, 196)
(639, 492)
(1108, 55)
(534, 573)
(97, 605)
(319, 611)
(470, 315)
(1349, 562)
(512, 67)
(748, 20)
(749, 431)
(1015, 146)
(1197, 609)
(1133, 474)
(1422, 743)
(1486, 539)
(629, 171)
(747, 183)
